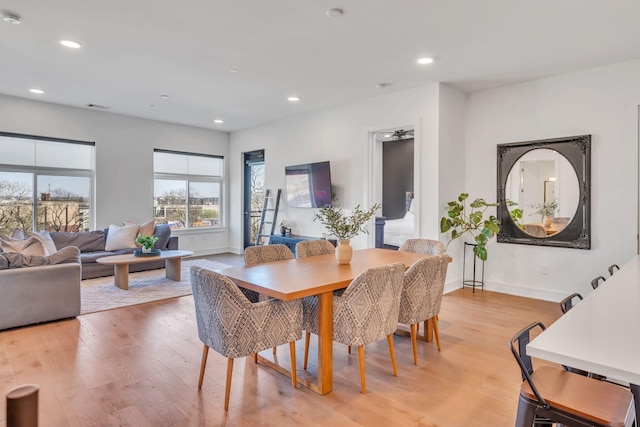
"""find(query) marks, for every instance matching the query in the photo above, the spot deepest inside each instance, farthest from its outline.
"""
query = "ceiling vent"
(98, 106)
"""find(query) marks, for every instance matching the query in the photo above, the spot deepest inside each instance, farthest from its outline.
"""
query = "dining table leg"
(325, 342)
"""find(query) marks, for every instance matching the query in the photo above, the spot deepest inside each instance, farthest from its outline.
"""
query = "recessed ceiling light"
(335, 13)
(425, 61)
(11, 18)
(218, 121)
(233, 70)
(164, 96)
(70, 44)
(293, 98)
(38, 91)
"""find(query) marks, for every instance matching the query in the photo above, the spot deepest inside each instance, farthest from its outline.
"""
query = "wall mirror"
(544, 192)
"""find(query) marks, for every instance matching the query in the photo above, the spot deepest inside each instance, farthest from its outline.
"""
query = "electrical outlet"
(543, 269)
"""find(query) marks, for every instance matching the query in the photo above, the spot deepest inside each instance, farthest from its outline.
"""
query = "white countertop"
(600, 334)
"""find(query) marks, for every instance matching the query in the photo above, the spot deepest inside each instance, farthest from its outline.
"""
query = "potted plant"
(147, 243)
(547, 210)
(462, 220)
(345, 226)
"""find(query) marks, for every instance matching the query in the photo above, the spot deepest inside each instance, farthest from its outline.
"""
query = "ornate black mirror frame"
(577, 150)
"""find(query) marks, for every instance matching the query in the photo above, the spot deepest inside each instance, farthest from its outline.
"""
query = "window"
(45, 184)
(187, 189)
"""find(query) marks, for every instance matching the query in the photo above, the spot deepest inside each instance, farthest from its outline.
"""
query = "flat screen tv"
(308, 185)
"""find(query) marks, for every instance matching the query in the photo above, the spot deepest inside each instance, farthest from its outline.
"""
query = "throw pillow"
(146, 228)
(121, 237)
(31, 246)
(65, 255)
(46, 240)
(17, 234)
(163, 233)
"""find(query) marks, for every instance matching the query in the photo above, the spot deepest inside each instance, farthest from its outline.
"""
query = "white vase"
(344, 252)
(546, 221)
(146, 250)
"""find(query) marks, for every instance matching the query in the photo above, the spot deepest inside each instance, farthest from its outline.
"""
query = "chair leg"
(414, 342)
(392, 352)
(363, 384)
(349, 349)
(307, 338)
(255, 357)
(434, 320)
(274, 351)
(526, 413)
(228, 386)
(203, 364)
(292, 351)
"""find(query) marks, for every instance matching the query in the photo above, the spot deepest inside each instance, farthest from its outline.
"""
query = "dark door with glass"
(253, 194)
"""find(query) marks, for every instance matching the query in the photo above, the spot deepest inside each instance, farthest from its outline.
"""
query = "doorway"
(253, 194)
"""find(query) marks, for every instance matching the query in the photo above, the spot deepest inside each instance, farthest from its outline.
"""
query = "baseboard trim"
(516, 290)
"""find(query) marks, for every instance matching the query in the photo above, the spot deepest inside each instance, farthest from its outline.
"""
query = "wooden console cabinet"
(291, 241)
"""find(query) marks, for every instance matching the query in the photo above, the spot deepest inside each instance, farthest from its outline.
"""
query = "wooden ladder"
(268, 216)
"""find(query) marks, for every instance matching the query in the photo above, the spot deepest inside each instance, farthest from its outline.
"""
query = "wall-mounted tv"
(308, 185)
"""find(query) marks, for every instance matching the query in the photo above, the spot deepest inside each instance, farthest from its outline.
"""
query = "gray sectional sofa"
(39, 289)
(36, 289)
(92, 246)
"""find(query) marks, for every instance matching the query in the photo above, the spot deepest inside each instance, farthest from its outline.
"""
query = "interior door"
(253, 194)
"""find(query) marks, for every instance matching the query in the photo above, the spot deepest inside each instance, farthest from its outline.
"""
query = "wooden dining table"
(317, 275)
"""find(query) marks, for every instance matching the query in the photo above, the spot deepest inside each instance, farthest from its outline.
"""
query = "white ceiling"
(136, 50)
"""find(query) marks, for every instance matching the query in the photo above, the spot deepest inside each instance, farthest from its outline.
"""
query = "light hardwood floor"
(138, 366)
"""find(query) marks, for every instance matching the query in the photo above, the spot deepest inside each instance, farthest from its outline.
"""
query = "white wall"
(602, 102)
(341, 135)
(124, 157)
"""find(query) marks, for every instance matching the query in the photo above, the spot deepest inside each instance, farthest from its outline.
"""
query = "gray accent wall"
(397, 177)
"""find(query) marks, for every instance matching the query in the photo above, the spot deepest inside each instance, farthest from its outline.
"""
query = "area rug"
(101, 294)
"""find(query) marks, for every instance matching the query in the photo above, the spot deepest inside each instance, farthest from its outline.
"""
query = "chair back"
(219, 303)
(535, 230)
(613, 268)
(368, 309)
(567, 303)
(518, 346)
(268, 253)
(422, 289)
(308, 248)
(596, 282)
(423, 246)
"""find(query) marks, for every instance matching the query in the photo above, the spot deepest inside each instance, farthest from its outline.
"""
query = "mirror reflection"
(543, 189)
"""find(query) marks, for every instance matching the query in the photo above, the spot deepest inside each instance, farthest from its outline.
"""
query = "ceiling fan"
(402, 134)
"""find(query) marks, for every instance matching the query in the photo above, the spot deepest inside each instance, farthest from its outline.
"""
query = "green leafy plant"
(345, 225)
(146, 241)
(461, 220)
(515, 213)
(546, 209)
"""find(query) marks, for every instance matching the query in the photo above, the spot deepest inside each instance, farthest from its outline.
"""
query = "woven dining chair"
(553, 395)
(308, 248)
(421, 296)
(423, 246)
(254, 255)
(235, 326)
(366, 312)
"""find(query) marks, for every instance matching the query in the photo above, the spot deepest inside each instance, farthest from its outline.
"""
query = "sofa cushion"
(30, 246)
(121, 237)
(46, 240)
(86, 241)
(163, 233)
(19, 260)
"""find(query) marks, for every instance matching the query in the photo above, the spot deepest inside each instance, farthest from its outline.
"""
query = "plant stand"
(473, 283)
